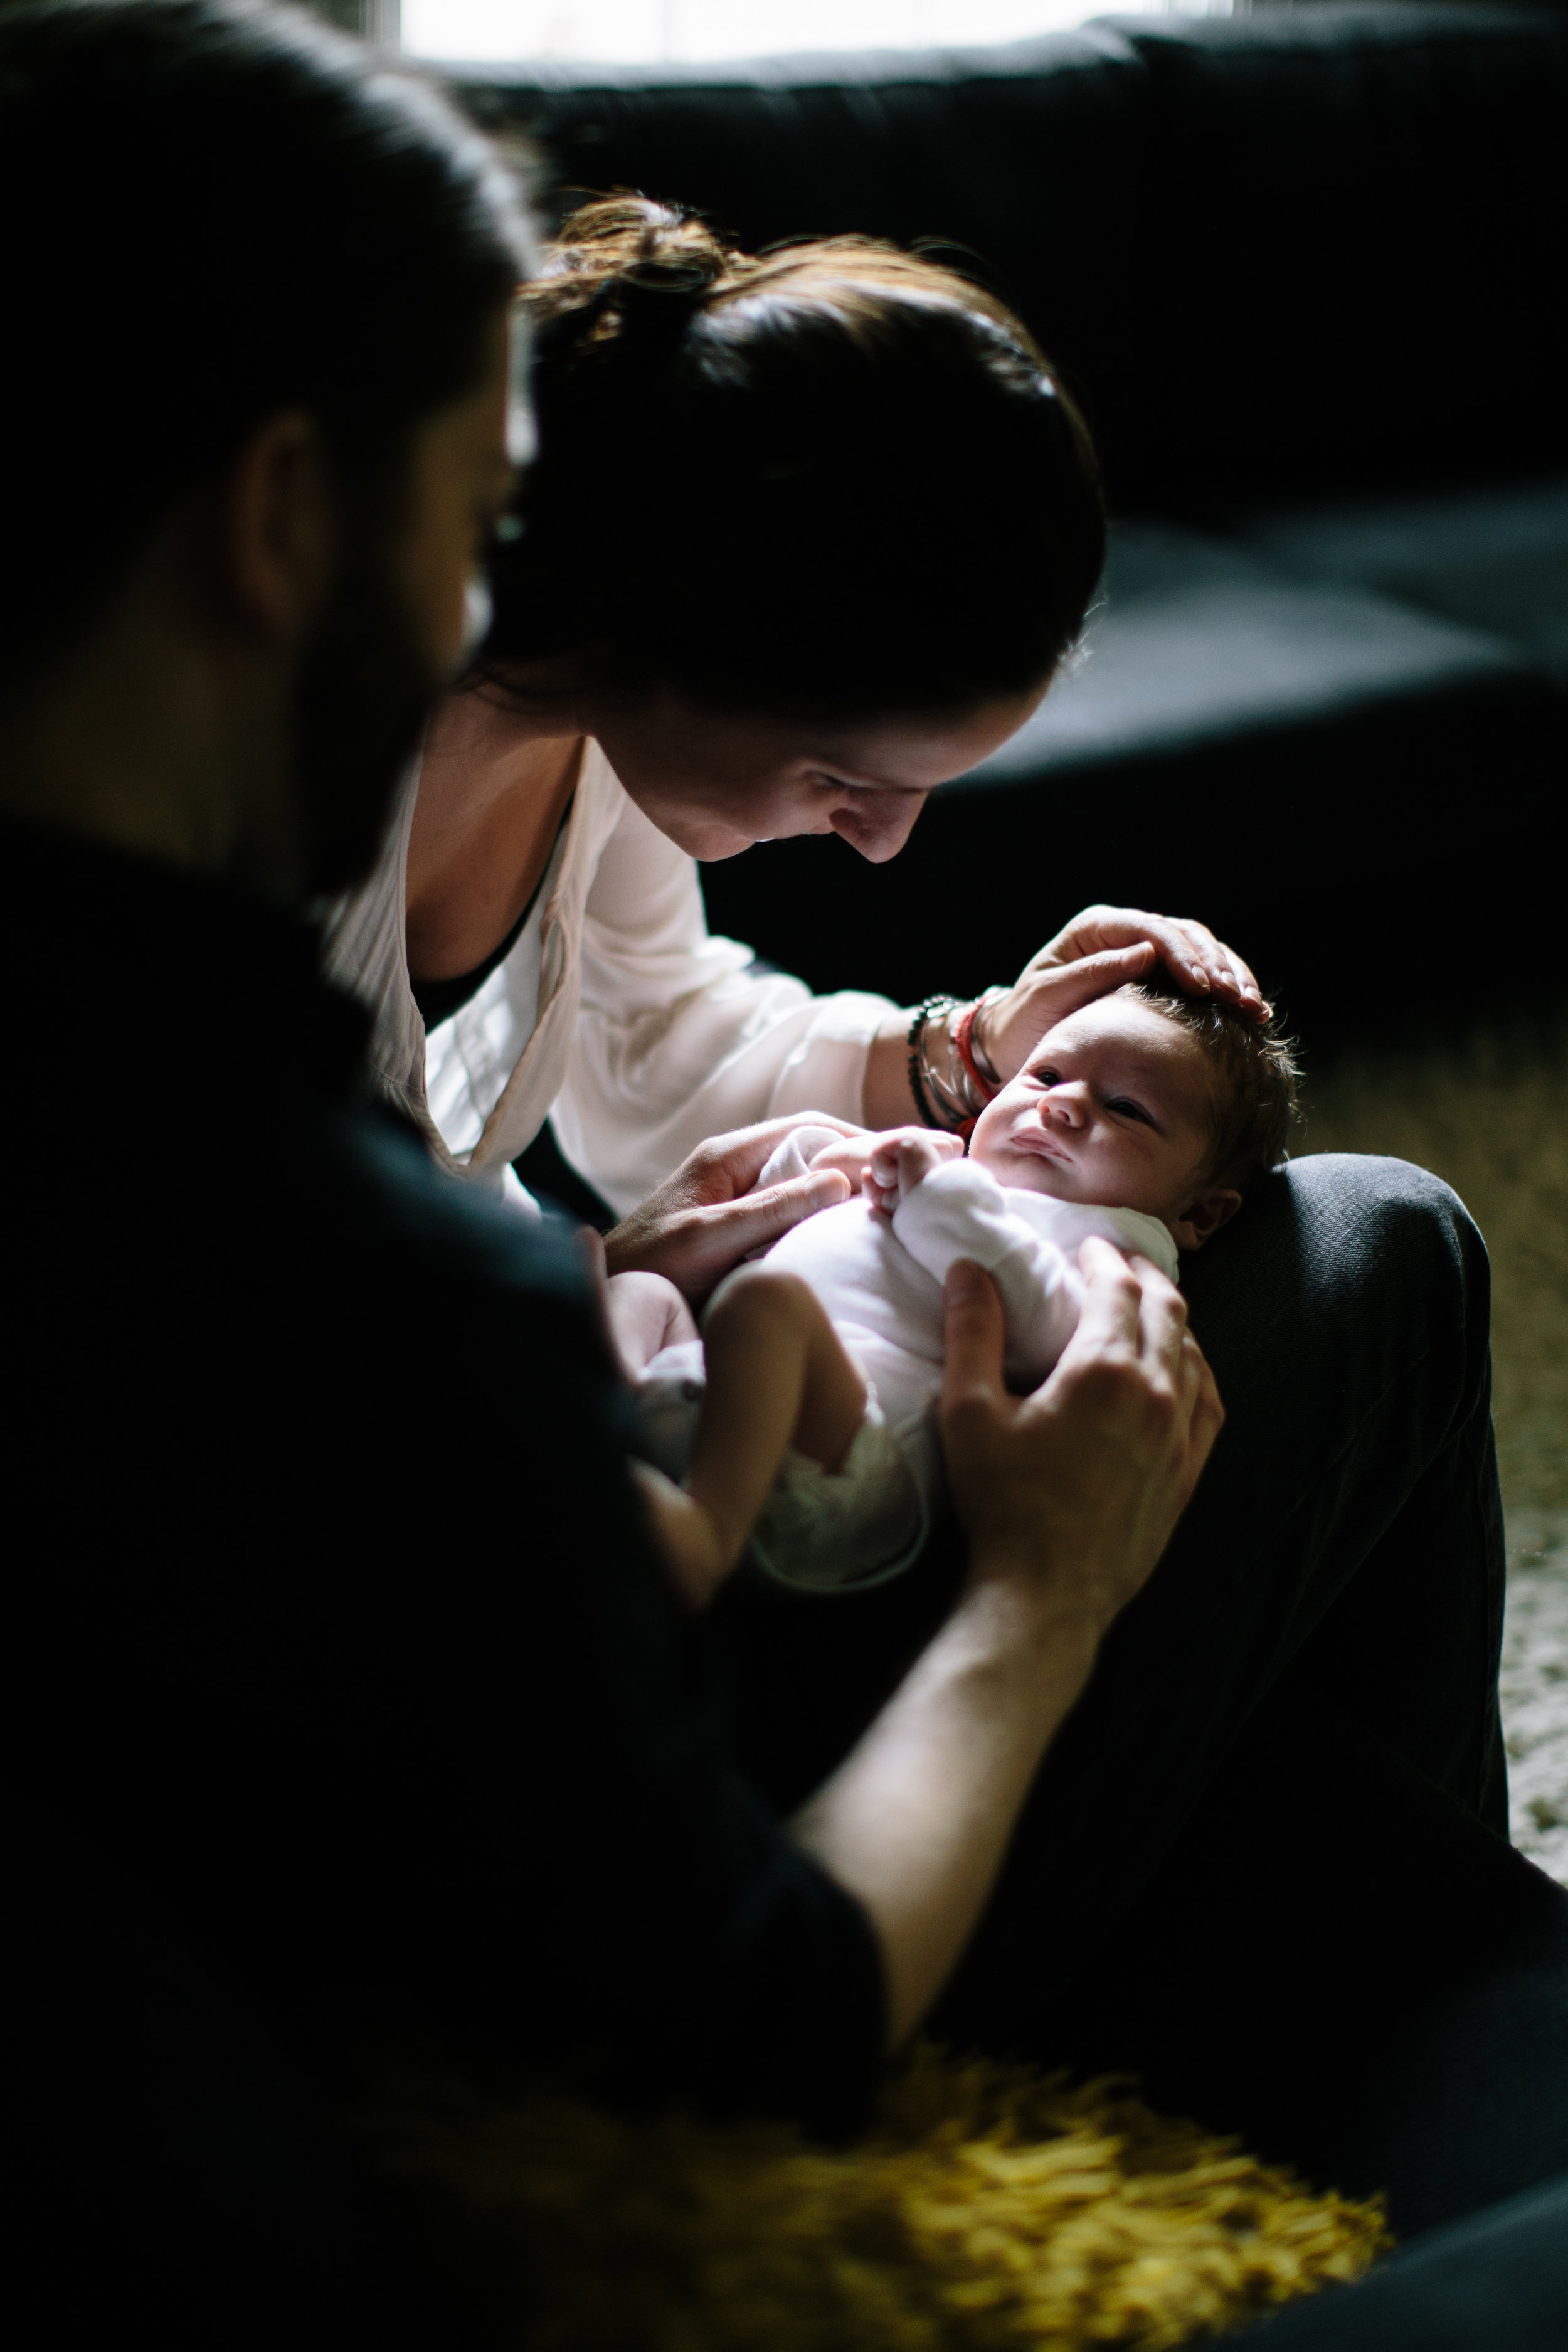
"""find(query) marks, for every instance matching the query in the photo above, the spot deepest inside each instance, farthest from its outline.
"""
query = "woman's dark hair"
(833, 480)
(214, 211)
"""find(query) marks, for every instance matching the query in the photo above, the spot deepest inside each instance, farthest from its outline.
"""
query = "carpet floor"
(1489, 1114)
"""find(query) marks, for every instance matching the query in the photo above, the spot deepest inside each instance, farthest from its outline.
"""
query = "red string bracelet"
(962, 1032)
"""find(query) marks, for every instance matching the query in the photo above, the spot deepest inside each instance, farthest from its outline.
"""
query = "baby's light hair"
(1253, 1097)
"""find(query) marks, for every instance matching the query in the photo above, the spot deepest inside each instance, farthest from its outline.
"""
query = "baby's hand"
(847, 1153)
(904, 1159)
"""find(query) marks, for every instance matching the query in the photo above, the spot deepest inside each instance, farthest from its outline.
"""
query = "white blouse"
(615, 1012)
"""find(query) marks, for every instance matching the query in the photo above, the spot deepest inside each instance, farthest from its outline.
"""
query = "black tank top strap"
(438, 999)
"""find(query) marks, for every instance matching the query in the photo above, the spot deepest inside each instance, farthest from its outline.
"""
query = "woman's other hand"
(1071, 1495)
(1101, 949)
(705, 1218)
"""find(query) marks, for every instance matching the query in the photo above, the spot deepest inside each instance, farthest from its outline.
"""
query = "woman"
(746, 599)
(810, 535)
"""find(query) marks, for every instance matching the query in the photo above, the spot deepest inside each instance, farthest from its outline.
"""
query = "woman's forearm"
(916, 1821)
(888, 1097)
(888, 1101)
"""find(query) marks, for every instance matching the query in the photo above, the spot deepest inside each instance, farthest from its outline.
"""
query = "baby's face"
(1112, 1107)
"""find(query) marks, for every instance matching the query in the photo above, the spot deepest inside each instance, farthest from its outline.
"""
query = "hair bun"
(634, 273)
(658, 296)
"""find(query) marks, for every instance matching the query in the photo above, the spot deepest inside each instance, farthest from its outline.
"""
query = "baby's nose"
(1067, 1103)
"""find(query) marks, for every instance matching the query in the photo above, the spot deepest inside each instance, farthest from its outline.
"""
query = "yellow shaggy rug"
(989, 2210)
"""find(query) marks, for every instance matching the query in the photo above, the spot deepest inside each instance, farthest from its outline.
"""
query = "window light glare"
(633, 32)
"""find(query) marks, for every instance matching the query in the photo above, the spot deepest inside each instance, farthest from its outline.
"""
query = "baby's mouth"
(1041, 1147)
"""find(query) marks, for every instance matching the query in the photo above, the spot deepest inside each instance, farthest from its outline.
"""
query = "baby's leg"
(646, 1313)
(778, 1375)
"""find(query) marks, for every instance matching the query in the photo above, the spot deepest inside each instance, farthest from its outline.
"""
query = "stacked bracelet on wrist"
(950, 1094)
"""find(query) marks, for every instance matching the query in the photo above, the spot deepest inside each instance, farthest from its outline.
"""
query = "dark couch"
(1306, 272)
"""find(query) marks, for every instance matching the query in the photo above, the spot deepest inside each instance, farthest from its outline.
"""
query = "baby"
(802, 1422)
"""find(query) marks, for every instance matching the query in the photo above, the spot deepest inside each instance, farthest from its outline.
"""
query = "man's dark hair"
(1254, 1074)
(834, 480)
(214, 211)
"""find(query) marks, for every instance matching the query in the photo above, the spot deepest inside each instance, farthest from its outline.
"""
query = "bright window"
(632, 31)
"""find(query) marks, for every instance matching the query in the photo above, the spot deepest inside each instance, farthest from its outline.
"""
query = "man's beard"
(364, 693)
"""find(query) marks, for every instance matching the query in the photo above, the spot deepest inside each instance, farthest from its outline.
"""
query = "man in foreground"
(297, 1731)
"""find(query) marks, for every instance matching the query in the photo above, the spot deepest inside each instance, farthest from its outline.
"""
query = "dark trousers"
(1264, 1862)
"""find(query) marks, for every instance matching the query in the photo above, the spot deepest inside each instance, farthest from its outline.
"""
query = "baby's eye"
(1045, 1078)
(1125, 1109)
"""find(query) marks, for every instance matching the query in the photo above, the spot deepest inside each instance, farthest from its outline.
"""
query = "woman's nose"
(878, 826)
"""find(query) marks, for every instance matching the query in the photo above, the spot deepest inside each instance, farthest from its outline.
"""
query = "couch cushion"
(1192, 642)
(1494, 560)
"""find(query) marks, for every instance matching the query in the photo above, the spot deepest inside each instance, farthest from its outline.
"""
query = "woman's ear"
(1204, 1216)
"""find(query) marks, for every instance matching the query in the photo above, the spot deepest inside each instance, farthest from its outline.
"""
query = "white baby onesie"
(881, 1283)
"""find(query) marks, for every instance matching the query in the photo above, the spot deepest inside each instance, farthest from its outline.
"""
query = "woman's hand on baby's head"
(902, 1159)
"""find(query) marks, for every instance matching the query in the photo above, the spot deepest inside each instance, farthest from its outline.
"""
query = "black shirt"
(438, 999)
(335, 1622)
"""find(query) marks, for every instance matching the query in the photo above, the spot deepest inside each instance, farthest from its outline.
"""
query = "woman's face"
(716, 784)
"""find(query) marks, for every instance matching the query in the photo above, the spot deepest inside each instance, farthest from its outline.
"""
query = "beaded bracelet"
(952, 1100)
(919, 1068)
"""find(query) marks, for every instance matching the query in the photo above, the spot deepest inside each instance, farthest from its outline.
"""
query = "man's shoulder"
(367, 1176)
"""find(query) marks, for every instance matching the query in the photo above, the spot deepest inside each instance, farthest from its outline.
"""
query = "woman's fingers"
(1197, 960)
(1015, 1026)
(1223, 967)
(1101, 949)
(1194, 957)
(696, 1245)
(1095, 975)
(849, 1155)
(1217, 968)
(729, 1165)
(759, 1218)
(664, 1231)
